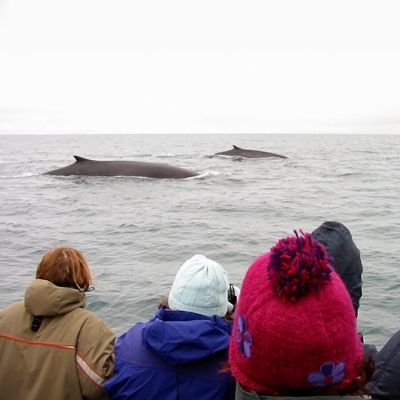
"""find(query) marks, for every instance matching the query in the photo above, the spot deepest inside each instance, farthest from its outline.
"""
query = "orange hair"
(65, 266)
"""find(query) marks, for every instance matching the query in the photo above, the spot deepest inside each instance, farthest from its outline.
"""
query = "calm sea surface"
(136, 232)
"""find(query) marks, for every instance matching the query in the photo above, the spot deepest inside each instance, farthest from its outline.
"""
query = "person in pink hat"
(294, 333)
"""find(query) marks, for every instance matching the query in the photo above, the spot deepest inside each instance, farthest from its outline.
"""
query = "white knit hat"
(200, 286)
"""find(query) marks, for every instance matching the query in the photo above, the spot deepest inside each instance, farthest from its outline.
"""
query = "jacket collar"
(43, 298)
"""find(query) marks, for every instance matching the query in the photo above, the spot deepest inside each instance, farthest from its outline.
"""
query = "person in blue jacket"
(182, 351)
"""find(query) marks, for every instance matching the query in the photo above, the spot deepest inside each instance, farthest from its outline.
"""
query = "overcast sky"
(205, 66)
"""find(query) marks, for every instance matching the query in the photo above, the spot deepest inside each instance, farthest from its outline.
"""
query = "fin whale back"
(246, 153)
(86, 167)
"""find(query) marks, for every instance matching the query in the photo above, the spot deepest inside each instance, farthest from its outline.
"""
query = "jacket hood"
(181, 337)
(346, 257)
(43, 298)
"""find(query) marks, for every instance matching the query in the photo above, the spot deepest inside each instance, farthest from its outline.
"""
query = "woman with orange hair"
(50, 346)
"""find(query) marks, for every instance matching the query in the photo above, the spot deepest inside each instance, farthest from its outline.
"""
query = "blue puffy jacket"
(176, 355)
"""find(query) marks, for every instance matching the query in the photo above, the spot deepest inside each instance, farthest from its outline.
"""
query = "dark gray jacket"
(346, 257)
(385, 383)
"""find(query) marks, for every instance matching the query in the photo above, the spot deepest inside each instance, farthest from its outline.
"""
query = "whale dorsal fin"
(80, 159)
(237, 148)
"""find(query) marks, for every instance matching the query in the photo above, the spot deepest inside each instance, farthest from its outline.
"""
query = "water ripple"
(136, 232)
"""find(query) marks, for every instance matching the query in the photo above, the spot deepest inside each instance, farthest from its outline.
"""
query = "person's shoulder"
(90, 321)
(13, 308)
(133, 332)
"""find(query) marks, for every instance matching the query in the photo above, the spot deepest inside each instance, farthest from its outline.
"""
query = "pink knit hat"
(295, 326)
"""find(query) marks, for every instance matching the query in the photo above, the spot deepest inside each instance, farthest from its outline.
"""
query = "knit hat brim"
(175, 304)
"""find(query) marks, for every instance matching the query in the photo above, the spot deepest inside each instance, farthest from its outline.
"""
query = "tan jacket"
(69, 356)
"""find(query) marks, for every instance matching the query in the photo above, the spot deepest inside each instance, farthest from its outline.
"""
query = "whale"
(87, 167)
(239, 152)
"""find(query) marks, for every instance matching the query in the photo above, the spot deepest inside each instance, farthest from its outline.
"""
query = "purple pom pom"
(298, 265)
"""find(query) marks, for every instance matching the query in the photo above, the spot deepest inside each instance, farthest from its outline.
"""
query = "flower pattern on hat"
(243, 337)
(328, 374)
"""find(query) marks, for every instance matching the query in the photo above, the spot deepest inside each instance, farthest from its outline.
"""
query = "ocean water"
(136, 232)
